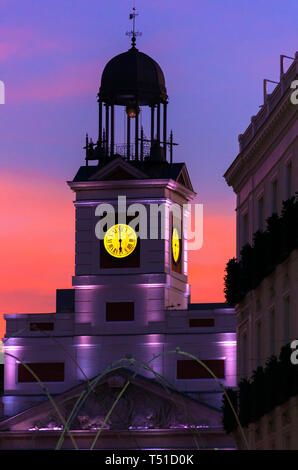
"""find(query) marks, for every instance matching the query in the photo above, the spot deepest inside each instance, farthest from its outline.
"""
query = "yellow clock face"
(176, 246)
(120, 240)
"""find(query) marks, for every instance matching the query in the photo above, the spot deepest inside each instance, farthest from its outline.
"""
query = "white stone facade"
(264, 174)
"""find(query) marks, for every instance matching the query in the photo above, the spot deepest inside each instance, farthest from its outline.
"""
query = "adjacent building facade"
(263, 175)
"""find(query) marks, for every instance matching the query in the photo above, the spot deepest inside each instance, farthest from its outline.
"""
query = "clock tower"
(133, 275)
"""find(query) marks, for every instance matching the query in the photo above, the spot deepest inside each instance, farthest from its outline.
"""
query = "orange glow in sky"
(36, 243)
(37, 246)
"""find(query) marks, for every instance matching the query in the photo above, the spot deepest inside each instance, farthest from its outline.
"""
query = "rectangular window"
(245, 236)
(287, 320)
(42, 326)
(45, 371)
(191, 369)
(272, 332)
(261, 213)
(201, 322)
(120, 311)
(274, 196)
(244, 355)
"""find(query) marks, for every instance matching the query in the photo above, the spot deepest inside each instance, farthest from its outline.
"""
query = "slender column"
(128, 138)
(103, 138)
(152, 124)
(171, 147)
(137, 134)
(158, 124)
(142, 143)
(112, 130)
(100, 123)
(165, 129)
(107, 130)
(87, 148)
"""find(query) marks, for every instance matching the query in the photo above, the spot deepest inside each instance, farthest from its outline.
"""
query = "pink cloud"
(36, 241)
(73, 80)
(22, 42)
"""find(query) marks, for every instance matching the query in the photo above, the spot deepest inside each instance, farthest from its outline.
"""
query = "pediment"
(184, 179)
(116, 170)
(145, 404)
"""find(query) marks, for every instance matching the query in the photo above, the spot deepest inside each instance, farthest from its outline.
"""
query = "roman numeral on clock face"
(120, 241)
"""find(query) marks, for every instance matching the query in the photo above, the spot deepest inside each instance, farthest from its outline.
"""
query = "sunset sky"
(214, 56)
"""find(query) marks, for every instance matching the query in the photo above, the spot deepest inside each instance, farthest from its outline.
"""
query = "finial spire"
(133, 33)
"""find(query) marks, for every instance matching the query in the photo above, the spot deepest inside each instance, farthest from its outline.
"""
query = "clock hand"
(120, 240)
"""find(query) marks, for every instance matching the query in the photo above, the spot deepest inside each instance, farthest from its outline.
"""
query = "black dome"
(130, 76)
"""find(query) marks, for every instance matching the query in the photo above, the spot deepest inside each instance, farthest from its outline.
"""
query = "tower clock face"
(120, 240)
(176, 246)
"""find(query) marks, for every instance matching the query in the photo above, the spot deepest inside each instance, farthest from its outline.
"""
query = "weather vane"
(133, 34)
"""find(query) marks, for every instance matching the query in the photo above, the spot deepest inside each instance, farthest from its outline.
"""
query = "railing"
(270, 103)
(97, 152)
(138, 150)
(121, 149)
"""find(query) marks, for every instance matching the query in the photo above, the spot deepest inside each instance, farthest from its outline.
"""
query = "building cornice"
(254, 141)
(254, 153)
(133, 184)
